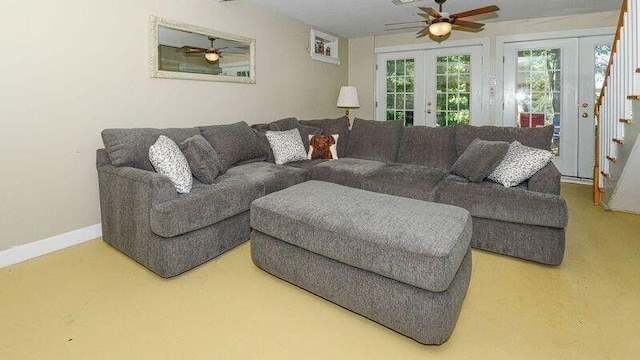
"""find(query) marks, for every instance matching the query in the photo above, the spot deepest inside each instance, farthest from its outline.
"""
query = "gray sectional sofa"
(144, 217)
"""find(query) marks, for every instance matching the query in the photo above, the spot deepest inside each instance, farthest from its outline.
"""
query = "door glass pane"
(453, 89)
(400, 94)
(538, 98)
(602, 54)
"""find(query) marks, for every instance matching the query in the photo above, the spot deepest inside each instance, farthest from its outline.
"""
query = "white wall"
(70, 68)
(362, 49)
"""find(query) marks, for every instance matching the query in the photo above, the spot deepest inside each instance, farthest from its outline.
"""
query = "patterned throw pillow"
(168, 160)
(519, 164)
(323, 147)
(287, 146)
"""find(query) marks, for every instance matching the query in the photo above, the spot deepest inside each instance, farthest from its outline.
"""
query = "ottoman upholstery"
(385, 239)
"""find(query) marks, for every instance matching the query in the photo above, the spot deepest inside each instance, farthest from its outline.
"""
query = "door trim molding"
(485, 41)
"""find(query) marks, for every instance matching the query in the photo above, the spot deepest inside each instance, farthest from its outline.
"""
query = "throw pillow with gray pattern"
(287, 146)
(519, 164)
(168, 160)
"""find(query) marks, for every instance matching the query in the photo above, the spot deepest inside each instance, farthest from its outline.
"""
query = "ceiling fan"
(212, 53)
(440, 23)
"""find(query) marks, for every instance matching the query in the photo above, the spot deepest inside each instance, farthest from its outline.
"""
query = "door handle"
(429, 111)
(585, 115)
(585, 105)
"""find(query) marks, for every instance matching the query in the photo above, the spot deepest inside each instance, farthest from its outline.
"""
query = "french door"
(435, 87)
(553, 82)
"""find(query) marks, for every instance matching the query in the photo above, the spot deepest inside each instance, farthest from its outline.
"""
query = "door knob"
(429, 103)
(585, 115)
(429, 111)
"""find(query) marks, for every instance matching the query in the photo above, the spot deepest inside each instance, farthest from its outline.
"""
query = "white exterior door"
(434, 87)
(540, 88)
(555, 82)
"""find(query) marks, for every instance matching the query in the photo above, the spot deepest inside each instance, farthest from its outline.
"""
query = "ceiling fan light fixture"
(439, 29)
(212, 56)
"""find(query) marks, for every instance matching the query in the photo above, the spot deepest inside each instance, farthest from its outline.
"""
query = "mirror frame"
(154, 72)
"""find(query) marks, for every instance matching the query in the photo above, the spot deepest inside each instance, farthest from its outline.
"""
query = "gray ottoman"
(403, 263)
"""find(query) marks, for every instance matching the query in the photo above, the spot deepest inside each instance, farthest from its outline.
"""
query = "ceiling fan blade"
(192, 49)
(477, 11)
(404, 28)
(423, 32)
(468, 24)
(404, 22)
(430, 11)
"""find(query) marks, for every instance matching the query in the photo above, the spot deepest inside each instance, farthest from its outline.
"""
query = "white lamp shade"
(348, 97)
(440, 28)
(212, 56)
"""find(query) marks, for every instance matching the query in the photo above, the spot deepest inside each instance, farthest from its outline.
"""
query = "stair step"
(626, 121)
(633, 97)
(607, 175)
(618, 141)
(613, 159)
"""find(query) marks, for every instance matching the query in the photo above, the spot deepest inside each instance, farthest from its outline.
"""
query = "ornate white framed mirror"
(183, 51)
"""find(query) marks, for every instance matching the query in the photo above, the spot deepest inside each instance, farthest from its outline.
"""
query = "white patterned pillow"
(287, 146)
(519, 164)
(168, 160)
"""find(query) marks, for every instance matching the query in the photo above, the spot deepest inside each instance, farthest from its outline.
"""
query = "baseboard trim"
(34, 249)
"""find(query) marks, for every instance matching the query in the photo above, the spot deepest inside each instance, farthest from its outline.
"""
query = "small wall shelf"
(324, 47)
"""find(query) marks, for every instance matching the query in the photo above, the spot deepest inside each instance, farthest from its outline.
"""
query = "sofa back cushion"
(428, 146)
(235, 143)
(130, 147)
(539, 137)
(339, 126)
(374, 140)
(284, 124)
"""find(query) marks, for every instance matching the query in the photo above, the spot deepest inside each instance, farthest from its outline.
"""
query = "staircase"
(617, 164)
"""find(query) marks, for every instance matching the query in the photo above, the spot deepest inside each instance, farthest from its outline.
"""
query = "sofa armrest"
(546, 180)
(128, 181)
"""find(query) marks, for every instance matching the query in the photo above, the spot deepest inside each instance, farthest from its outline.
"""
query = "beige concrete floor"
(91, 302)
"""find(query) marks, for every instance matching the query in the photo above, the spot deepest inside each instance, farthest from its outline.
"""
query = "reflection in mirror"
(188, 52)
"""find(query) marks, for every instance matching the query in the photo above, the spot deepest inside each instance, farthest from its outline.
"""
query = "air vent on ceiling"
(404, 2)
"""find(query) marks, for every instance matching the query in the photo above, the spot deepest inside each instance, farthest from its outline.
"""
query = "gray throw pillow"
(286, 145)
(235, 143)
(519, 164)
(479, 159)
(204, 162)
(374, 140)
(168, 160)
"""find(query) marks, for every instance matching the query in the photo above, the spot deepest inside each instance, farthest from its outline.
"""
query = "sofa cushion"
(489, 200)
(231, 194)
(272, 177)
(338, 126)
(539, 138)
(130, 147)
(306, 164)
(410, 181)
(428, 146)
(323, 146)
(519, 164)
(344, 171)
(204, 162)
(284, 124)
(168, 160)
(479, 159)
(374, 140)
(286, 145)
(235, 143)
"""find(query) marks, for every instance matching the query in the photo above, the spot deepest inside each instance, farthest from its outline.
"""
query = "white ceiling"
(357, 18)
